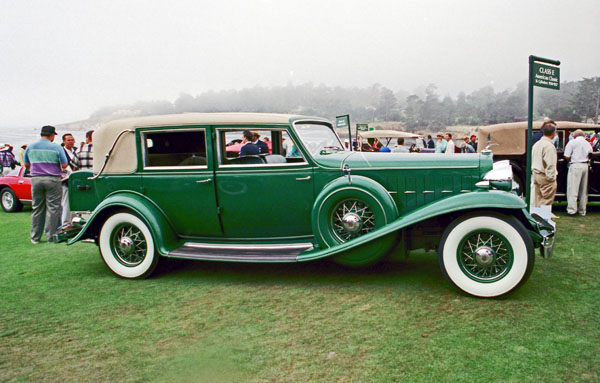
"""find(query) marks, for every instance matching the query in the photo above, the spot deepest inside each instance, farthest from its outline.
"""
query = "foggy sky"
(62, 60)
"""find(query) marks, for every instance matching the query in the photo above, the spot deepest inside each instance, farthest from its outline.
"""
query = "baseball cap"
(48, 130)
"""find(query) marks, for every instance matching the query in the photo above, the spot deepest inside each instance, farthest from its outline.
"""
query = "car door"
(263, 196)
(178, 176)
(24, 185)
(594, 177)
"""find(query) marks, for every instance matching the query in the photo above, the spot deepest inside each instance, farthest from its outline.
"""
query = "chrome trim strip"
(428, 192)
(258, 170)
(447, 191)
(413, 167)
(410, 192)
(197, 167)
(296, 246)
(263, 165)
(465, 191)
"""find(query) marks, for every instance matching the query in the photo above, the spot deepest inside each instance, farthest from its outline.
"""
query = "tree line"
(422, 109)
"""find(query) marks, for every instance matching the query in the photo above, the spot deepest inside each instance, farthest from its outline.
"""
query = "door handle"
(204, 181)
(20, 181)
(303, 178)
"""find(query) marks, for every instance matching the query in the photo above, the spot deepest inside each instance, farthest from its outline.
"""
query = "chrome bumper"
(547, 232)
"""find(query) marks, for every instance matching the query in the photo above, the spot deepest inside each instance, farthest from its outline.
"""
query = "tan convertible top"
(124, 158)
(511, 137)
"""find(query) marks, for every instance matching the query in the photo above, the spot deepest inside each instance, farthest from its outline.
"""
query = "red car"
(15, 189)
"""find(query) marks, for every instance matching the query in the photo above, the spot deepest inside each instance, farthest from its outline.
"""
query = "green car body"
(179, 186)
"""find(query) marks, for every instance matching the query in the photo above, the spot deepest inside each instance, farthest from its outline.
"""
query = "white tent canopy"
(387, 134)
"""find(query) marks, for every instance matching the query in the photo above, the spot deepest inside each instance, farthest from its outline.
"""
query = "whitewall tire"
(127, 246)
(486, 254)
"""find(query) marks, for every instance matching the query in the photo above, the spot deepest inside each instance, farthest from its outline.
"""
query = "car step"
(246, 252)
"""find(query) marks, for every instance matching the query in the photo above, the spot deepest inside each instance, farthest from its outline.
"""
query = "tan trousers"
(544, 190)
(577, 184)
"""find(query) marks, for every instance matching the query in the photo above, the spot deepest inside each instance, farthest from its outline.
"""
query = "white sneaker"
(35, 242)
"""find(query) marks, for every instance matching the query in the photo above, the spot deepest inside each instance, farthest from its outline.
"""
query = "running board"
(247, 253)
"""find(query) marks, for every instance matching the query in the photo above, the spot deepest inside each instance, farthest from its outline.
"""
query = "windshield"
(318, 138)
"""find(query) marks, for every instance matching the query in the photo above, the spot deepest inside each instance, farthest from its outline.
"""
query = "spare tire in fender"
(347, 209)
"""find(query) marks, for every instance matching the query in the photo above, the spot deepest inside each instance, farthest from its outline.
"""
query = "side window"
(174, 148)
(239, 146)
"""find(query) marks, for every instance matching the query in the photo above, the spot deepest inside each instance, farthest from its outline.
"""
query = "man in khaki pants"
(543, 166)
(577, 152)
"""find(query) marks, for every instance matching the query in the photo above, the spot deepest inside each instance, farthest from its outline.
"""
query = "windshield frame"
(312, 153)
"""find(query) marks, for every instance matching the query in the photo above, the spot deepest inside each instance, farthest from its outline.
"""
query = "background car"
(509, 142)
(15, 189)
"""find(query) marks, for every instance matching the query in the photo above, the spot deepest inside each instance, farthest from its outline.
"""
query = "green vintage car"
(182, 186)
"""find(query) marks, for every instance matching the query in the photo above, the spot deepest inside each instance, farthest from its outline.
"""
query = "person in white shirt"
(577, 152)
(73, 161)
(449, 144)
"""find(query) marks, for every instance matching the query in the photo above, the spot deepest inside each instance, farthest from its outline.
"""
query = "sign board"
(342, 122)
(546, 76)
(362, 127)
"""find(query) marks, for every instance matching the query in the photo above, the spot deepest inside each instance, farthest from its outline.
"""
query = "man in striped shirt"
(45, 161)
(86, 152)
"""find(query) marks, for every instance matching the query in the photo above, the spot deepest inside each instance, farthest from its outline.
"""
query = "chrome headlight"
(500, 177)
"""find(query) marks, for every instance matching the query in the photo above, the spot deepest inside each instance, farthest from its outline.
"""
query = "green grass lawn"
(64, 317)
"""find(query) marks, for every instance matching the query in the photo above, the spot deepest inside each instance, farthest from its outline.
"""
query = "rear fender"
(163, 233)
(492, 199)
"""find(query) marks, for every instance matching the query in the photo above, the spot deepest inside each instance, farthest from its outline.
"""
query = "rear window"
(175, 148)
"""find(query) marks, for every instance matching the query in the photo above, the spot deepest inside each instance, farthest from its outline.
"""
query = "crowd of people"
(544, 160)
(49, 166)
(7, 157)
(443, 144)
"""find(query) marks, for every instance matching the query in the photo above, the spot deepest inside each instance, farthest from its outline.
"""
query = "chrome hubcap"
(7, 200)
(126, 245)
(351, 223)
(352, 218)
(484, 256)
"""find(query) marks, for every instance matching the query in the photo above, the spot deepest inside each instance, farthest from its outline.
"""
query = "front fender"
(163, 233)
(468, 201)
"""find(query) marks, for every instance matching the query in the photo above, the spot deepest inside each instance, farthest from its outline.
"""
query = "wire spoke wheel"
(351, 218)
(129, 245)
(485, 256)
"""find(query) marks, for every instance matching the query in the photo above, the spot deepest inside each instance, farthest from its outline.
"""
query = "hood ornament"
(346, 172)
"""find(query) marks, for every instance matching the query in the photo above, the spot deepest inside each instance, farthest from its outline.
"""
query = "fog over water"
(63, 60)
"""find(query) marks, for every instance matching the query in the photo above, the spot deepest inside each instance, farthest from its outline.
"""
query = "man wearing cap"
(577, 152)
(45, 161)
(440, 145)
(263, 148)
